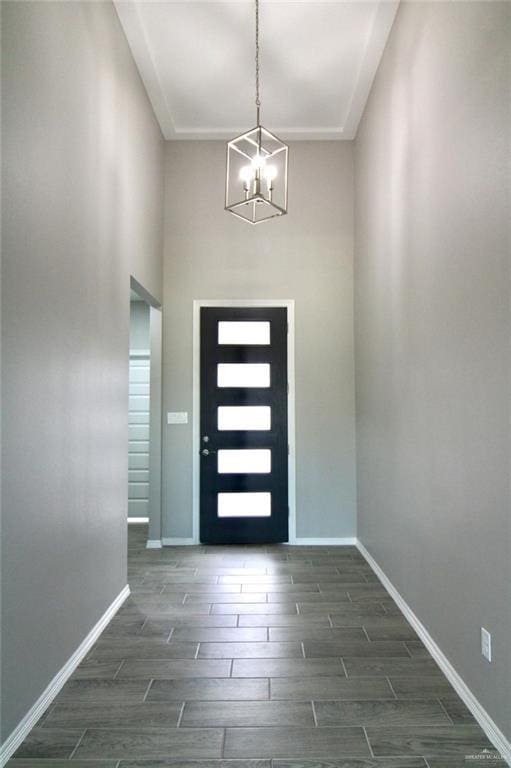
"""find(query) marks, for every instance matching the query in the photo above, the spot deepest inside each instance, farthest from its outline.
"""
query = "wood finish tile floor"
(255, 657)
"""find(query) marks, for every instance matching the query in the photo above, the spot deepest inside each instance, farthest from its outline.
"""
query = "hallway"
(291, 657)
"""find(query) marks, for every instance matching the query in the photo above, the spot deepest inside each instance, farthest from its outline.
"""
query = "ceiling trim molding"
(383, 20)
(286, 134)
(136, 35)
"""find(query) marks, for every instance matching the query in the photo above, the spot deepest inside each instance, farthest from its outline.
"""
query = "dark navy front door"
(243, 422)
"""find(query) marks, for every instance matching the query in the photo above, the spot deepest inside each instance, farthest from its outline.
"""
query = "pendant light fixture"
(257, 161)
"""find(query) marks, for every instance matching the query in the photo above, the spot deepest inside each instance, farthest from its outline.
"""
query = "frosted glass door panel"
(244, 417)
(240, 332)
(244, 504)
(243, 375)
(244, 461)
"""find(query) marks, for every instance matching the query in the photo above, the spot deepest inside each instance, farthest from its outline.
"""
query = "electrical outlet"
(486, 643)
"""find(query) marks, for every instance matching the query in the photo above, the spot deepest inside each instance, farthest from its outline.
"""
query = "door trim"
(289, 305)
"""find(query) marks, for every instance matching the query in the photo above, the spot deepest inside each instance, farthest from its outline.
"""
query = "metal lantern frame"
(257, 206)
(257, 146)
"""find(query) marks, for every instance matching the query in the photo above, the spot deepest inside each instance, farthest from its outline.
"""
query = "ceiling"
(318, 61)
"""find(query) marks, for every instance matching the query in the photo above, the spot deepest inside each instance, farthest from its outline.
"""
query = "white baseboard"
(299, 542)
(493, 732)
(23, 728)
(153, 544)
(319, 542)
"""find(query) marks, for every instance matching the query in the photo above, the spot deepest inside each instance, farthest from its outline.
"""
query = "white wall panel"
(139, 404)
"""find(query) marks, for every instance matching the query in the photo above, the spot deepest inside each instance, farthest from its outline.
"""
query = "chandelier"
(257, 162)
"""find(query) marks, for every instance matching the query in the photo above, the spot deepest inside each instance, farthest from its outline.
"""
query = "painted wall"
(432, 330)
(140, 336)
(82, 191)
(306, 256)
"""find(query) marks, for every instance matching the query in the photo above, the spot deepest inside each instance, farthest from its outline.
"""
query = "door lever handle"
(207, 451)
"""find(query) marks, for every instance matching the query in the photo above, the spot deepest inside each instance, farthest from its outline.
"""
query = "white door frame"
(289, 305)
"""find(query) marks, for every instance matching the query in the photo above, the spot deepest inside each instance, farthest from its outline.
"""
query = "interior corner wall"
(82, 199)
(432, 320)
(307, 256)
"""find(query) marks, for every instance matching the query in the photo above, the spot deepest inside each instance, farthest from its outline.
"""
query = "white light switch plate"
(179, 417)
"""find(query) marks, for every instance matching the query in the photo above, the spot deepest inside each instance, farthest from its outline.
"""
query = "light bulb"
(270, 173)
(247, 174)
(258, 162)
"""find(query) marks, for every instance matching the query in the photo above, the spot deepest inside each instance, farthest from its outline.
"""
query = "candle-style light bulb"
(247, 177)
(247, 174)
(258, 162)
(258, 165)
(270, 174)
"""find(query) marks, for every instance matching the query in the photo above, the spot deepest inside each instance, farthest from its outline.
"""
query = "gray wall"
(140, 337)
(82, 191)
(306, 256)
(432, 330)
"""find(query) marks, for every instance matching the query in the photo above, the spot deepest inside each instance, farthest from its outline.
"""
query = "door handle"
(207, 451)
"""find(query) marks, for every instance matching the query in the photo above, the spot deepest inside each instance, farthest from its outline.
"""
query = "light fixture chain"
(257, 99)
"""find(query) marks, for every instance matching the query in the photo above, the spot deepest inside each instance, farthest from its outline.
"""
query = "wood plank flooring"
(255, 657)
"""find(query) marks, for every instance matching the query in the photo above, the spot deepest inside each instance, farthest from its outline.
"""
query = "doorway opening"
(139, 410)
(144, 414)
